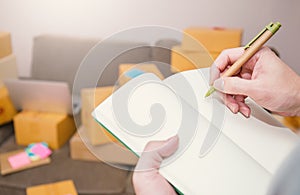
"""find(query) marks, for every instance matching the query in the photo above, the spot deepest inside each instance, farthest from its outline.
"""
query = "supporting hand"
(146, 178)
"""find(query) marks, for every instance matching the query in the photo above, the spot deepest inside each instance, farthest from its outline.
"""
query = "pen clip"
(273, 27)
(255, 38)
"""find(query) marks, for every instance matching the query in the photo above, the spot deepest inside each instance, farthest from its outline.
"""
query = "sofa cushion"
(101, 68)
(162, 50)
(57, 57)
(161, 55)
(5, 131)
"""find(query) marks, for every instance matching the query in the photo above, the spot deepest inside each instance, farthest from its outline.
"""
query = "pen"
(250, 49)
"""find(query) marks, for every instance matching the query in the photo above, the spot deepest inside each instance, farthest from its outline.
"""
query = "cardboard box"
(53, 128)
(82, 149)
(5, 44)
(129, 71)
(292, 122)
(90, 99)
(8, 68)
(7, 109)
(182, 60)
(7, 169)
(79, 151)
(66, 187)
(212, 39)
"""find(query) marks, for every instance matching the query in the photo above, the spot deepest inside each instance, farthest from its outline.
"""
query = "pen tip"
(209, 92)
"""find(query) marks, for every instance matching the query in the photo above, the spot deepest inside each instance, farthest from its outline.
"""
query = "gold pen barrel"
(249, 52)
(250, 49)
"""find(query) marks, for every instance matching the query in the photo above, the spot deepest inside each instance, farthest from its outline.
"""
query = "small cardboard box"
(90, 99)
(292, 122)
(8, 68)
(66, 187)
(52, 128)
(5, 44)
(7, 109)
(213, 39)
(81, 149)
(182, 60)
(129, 71)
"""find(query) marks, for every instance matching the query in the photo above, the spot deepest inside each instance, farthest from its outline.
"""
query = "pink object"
(19, 160)
(41, 150)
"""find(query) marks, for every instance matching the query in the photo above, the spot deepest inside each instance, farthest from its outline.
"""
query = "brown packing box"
(66, 187)
(53, 128)
(182, 60)
(292, 122)
(79, 151)
(90, 99)
(8, 68)
(7, 169)
(5, 44)
(7, 110)
(213, 39)
(147, 68)
(110, 152)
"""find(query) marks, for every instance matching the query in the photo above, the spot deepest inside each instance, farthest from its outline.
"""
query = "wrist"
(298, 103)
(297, 97)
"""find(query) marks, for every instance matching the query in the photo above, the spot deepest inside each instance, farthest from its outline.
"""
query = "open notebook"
(219, 152)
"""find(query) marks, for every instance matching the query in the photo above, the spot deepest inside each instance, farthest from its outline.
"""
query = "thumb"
(155, 152)
(234, 85)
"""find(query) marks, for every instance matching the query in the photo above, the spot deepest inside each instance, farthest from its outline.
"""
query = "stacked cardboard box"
(182, 60)
(91, 98)
(200, 46)
(292, 122)
(30, 126)
(52, 128)
(92, 142)
(78, 149)
(5, 44)
(81, 149)
(8, 69)
(129, 71)
(7, 110)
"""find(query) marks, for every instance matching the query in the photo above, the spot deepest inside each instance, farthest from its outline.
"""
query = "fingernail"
(173, 139)
(248, 113)
(219, 84)
(245, 113)
(234, 108)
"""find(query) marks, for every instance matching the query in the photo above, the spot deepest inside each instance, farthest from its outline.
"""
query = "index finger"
(227, 57)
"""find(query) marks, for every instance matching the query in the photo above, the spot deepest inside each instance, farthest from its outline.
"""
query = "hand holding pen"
(264, 78)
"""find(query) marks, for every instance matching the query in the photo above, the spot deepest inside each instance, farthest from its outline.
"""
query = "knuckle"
(150, 145)
(265, 49)
(225, 52)
(229, 86)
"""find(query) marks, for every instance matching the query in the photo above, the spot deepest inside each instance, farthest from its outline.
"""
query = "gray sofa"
(58, 58)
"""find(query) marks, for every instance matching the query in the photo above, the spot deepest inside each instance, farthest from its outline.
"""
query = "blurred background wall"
(101, 18)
